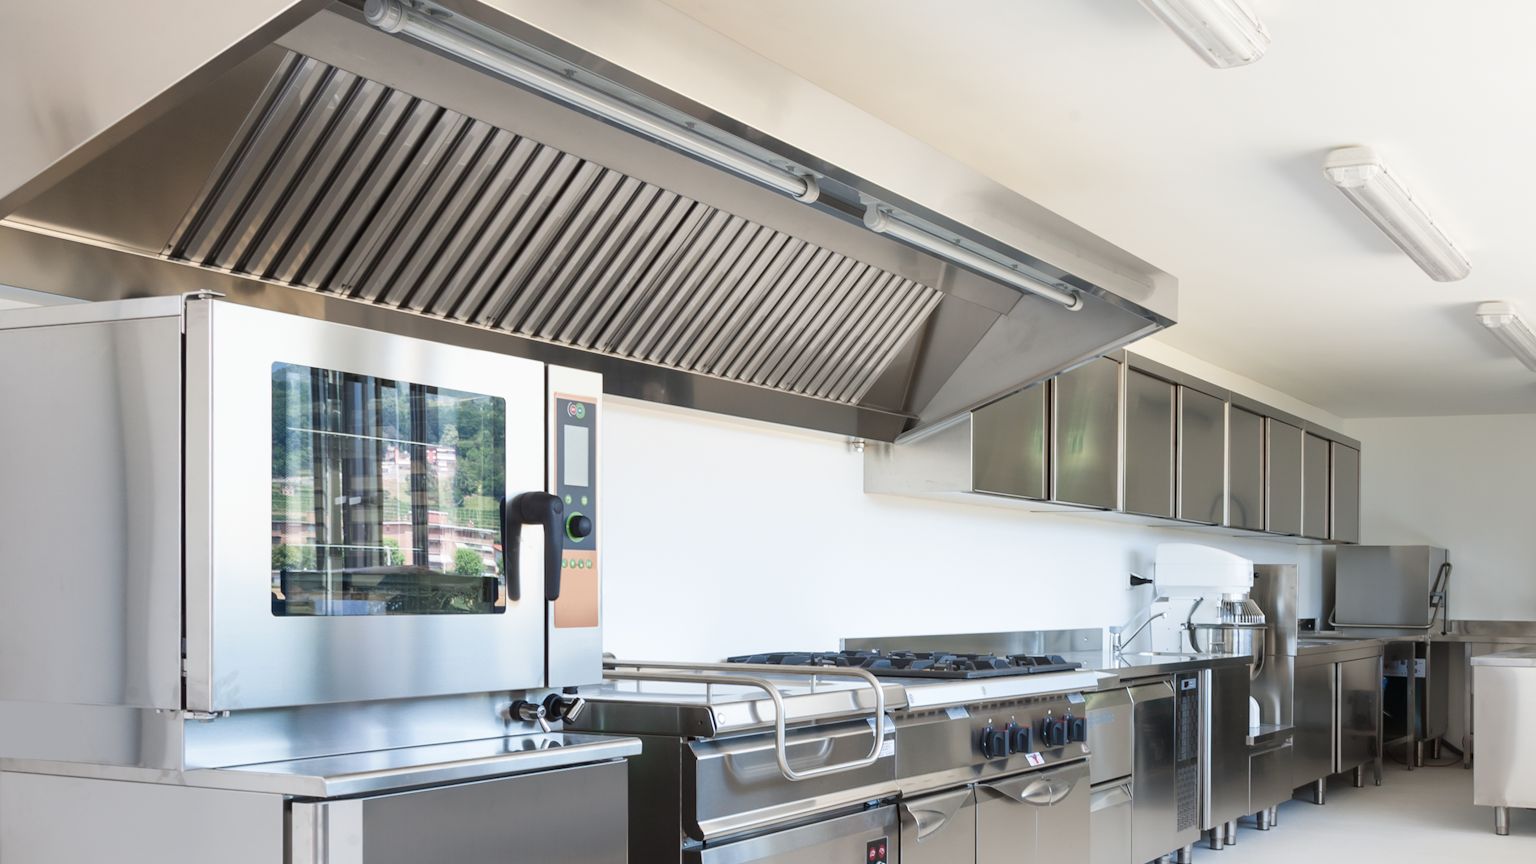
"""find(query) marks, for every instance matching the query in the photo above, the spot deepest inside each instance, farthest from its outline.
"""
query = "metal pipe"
(395, 16)
(702, 673)
(879, 220)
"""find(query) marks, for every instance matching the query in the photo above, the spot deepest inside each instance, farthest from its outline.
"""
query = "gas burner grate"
(918, 664)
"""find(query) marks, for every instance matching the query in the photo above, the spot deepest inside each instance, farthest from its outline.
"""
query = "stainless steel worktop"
(1517, 657)
(374, 771)
(1131, 666)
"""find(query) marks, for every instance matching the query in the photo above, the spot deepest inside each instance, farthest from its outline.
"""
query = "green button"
(583, 500)
(568, 500)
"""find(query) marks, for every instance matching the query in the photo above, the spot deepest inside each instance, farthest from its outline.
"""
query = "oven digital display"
(576, 452)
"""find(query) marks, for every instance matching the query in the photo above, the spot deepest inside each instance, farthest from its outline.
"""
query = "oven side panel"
(90, 517)
(575, 429)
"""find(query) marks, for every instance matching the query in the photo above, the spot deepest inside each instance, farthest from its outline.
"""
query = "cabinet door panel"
(1245, 462)
(1085, 435)
(1314, 487)
(1282, 477)
(1008, 445)
(1345, 510)
(1149, 452)
(1202, 441)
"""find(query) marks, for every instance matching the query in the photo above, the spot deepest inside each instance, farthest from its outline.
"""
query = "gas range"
(919, 664)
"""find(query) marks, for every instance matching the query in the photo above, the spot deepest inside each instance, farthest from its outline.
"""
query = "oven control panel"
(576, 482)
(1033, 732)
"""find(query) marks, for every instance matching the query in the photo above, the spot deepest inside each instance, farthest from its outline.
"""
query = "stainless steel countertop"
(1517, 657)
(1133, 665)
(374, 771)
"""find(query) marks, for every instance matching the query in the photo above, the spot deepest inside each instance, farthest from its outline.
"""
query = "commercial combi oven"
(282, 589)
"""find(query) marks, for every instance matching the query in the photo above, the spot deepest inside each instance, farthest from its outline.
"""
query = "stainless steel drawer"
(939, 829)
(1109, 820)
(832, 841)
(528, 817)
(1110, 735)
(1270, 777)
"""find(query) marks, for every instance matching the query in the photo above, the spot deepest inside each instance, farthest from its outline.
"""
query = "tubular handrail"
(731, 674)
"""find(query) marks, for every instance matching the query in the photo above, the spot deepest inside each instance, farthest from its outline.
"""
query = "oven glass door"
(385, 496)
(343, 537)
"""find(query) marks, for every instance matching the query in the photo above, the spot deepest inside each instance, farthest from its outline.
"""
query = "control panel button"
(994, 743)
(877, 852)
(1021, 739)
(578, 526)
(1077, 729)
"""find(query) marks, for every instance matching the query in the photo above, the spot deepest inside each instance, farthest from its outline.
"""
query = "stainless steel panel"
(1008, 444)
(1386, 585)
(1109, 824)
(239, 655)
(1202, 455)
(1271, 777)
(1149, 444)
(64, 820)
(575, 642)
(1224, 769)
(1316, 723)
(1274, 590)
(1314, 487)
(1504, 700)
(1359, 712)
(1155, 814)
(1064, 823)
(90, 511)
(938, 829)
(733, 785)
(1111, 735)
(1282, 477)
(832, 841)
(1085, 435)
(530, 817)
(1007, 828)
(1344, 486)
(1245, 469)
(147, 738)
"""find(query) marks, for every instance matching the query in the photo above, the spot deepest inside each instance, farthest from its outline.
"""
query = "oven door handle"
(533, 508)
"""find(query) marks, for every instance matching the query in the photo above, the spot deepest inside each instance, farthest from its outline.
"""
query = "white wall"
(725, 536)
(1464, 483)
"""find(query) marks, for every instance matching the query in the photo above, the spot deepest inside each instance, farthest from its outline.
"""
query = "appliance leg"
(1213, 838)
(1274, 816)
(1418, 754)
(1501, 821)
(1359, 776)
(1229, 833)
(1320, 792)
(1261, 820)
(1434, 749)
(1376, 769)
(1185, 855)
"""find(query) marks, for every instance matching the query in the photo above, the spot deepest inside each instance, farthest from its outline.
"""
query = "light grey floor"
(1424, 815)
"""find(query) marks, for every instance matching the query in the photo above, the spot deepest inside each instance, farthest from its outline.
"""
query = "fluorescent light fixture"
(1504, 322)
(879, 221)
(477, 45)
(1384, 199)
(1225, 33)
(412, 19)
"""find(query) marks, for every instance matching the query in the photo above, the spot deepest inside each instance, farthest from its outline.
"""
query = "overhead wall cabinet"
(1129, 436)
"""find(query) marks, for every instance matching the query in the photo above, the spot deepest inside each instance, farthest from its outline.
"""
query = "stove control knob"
(1077, 729)
(1021, 738)
(1053, 732)
(994, 743)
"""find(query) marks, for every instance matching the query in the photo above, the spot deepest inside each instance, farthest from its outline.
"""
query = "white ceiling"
(1093, 109)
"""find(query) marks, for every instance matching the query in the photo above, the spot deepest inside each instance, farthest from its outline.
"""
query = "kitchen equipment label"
(1034, 759)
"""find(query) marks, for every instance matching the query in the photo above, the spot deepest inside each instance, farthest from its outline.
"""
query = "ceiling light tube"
(1225, 33)
(1504, 322)
(1365, 180)
(395, 16)
(879, 221)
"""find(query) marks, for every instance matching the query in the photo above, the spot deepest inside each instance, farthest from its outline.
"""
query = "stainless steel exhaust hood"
(403, 182)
